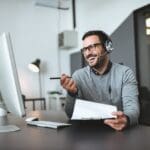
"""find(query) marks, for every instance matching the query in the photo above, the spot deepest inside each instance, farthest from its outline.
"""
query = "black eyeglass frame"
(84, 49)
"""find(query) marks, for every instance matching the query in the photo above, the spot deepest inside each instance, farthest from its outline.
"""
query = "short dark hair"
(103, 37)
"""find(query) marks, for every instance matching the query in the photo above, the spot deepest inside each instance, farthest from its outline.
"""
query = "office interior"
(35, 27)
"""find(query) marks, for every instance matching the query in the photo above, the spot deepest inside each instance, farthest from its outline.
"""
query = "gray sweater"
(116, 87)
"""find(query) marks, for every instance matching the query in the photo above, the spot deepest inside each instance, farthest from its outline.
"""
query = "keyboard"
(48, 124)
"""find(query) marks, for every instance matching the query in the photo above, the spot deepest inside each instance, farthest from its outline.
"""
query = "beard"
(99, 62)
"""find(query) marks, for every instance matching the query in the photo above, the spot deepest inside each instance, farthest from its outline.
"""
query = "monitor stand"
(4, 124)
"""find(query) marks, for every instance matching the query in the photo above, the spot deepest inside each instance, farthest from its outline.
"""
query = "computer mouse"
(31, 119)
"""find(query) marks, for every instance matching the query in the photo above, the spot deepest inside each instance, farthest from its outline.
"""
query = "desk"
(79, 136)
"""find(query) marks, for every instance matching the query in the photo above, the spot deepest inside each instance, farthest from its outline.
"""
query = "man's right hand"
(68, 83)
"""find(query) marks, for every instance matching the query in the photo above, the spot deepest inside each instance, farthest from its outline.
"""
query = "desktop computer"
(10, 92)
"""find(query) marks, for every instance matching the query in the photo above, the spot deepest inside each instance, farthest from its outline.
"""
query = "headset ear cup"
(109, 46)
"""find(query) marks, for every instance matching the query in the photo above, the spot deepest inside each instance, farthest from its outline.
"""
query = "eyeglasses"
(90, 47)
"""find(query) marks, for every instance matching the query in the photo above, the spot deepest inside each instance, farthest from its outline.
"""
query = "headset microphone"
(108, 48)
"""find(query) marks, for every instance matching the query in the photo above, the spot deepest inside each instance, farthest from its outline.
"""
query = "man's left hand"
(119, 123)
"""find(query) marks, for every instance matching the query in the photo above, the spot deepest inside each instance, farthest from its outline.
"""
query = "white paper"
(87, 110)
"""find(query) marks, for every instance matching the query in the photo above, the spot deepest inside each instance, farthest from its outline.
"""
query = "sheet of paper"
(87, 110)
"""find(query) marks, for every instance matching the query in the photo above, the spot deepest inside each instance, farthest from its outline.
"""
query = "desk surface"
(83, 135)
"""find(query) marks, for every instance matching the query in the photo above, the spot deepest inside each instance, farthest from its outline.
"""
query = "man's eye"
(90, 47)
(85, 49)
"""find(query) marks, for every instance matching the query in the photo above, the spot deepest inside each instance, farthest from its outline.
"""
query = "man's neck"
(101, 70)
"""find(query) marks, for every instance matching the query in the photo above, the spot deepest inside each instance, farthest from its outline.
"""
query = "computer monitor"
(10, 91)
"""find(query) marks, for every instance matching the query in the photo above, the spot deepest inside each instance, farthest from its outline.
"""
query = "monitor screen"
(9, 84)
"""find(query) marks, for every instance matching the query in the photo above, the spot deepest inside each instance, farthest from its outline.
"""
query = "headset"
(108, 46)
(106, 40)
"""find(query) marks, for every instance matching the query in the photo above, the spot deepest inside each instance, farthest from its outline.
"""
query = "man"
(103, 81)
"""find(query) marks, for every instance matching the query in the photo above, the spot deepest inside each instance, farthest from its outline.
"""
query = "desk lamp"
(35, 67)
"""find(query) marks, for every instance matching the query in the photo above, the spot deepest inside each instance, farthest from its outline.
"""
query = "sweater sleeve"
(130, 97)
(70, 100)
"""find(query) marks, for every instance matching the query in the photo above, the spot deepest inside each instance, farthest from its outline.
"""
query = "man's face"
(92, 50)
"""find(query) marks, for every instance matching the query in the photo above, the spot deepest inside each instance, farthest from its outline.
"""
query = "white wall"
(105, 15)
(34, 33)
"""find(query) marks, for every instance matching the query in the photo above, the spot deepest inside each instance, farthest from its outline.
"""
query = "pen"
(55, 78)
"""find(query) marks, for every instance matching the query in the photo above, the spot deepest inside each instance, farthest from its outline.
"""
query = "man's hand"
(119, 123)
(68, 83)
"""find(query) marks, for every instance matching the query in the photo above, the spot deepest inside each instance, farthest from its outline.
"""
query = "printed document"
(87, 110)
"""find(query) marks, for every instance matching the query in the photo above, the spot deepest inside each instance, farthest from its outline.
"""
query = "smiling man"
(103, 81)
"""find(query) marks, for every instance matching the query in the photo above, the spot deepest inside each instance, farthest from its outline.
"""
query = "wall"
(124, 43)
(34, 33)
(105, 15)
